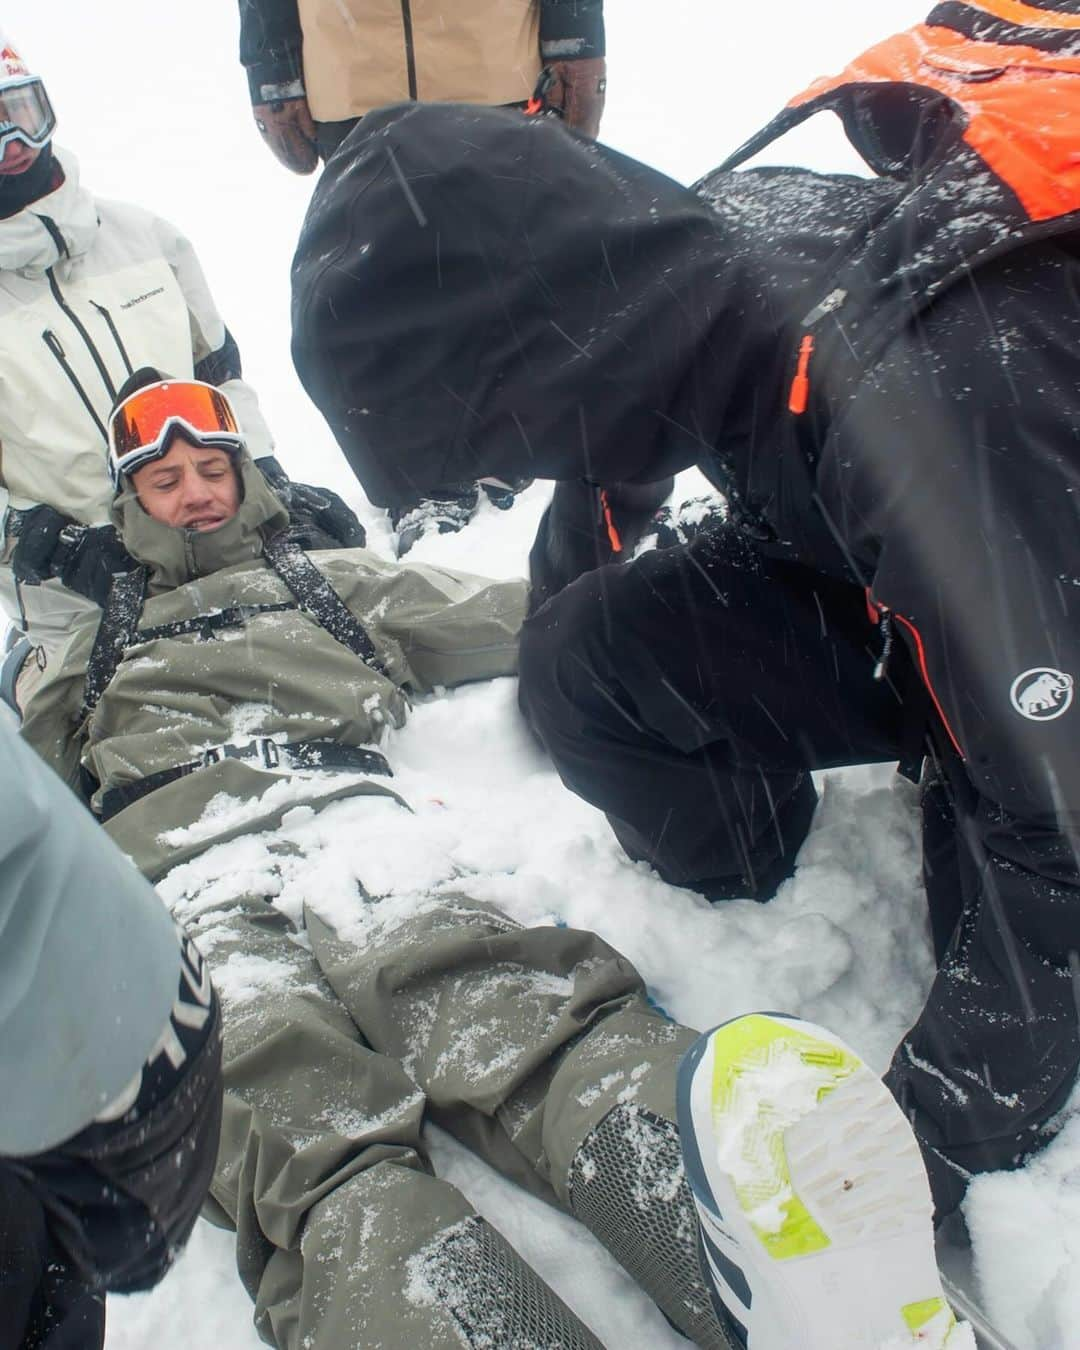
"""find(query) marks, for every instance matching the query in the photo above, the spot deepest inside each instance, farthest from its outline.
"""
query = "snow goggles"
(26, 114)
(142, 427)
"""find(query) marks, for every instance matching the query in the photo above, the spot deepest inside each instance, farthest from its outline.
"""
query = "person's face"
(192, 487)
(17, 157)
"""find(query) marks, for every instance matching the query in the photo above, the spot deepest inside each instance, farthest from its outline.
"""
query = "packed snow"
(153, 101)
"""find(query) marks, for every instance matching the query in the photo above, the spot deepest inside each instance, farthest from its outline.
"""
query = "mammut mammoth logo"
(1042, 694)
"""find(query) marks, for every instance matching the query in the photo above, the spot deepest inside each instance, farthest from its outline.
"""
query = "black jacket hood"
(470, 281)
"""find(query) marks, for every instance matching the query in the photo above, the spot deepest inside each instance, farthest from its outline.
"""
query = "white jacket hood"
(29, 246)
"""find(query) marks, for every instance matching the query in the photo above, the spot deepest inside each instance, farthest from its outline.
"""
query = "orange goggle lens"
(141, 428)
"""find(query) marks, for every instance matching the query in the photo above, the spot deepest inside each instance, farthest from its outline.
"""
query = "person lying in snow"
(882, 376)
(232, 664)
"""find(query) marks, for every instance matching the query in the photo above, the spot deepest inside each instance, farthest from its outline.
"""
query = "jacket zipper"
(58, 296)
(410, 52)
(882, 615)
(116, 336)
(53, 343)
(886, 618)
(832, 302)
(799, 396)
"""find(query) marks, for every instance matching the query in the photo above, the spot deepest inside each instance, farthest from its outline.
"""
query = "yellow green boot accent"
(750, 1052)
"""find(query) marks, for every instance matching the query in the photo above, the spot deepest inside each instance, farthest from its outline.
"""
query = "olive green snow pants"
(536, 1047)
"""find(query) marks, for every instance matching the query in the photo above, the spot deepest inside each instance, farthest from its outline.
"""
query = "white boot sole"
(809, 1182)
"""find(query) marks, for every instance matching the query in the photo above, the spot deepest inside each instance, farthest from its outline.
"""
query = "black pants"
(109, 1209)
(586, 527)
(689, 694)
(42, 1302)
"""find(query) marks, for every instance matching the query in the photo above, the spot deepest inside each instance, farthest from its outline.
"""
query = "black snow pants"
(688, 695)
(109, 1209)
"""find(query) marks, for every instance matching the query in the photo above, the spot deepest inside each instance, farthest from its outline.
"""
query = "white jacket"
(89, 290)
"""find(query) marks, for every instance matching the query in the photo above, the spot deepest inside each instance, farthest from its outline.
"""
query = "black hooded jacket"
(884, 376)
(881, 374)
(480, 294)
(475, 293)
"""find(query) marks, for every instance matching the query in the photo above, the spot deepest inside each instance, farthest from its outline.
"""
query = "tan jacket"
(363, 54)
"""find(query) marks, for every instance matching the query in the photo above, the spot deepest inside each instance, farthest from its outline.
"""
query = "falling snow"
(844, 943)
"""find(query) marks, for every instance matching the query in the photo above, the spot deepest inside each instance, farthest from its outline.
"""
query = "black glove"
(37, 533)
(318, 518)
(84, 558)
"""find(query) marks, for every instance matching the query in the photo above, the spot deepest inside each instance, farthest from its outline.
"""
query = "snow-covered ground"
(153, 101)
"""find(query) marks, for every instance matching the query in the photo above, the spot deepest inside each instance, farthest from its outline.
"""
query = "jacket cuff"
(276, 79)
(571, 30)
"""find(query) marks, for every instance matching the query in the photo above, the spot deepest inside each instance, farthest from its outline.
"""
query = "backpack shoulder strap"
(315, 595)
(115, 634)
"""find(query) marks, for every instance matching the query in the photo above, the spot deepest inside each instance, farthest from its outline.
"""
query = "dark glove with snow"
(578, 90)
(84, 558)
(318, 518)
(287, 127)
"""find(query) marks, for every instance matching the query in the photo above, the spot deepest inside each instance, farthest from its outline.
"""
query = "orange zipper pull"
(799, 397)
(614, 538)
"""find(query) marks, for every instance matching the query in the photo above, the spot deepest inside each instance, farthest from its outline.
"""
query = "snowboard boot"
(611, 1147)
(628, 1187)
(502, 494)
(440, 515)
(682, 526)
(815, 1209)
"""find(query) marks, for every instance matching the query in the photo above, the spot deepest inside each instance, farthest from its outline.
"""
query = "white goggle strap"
(10, 132)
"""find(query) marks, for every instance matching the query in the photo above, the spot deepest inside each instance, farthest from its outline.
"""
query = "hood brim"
(176, 556)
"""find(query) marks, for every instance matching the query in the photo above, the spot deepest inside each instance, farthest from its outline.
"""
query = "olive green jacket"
(272, 673)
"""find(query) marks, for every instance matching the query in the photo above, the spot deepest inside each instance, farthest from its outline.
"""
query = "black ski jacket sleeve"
(271, 48)
(951, 479)
(271, 40)
(571, 30)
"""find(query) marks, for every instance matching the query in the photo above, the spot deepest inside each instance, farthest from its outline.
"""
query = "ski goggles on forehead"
(26, 114)
(143, 426)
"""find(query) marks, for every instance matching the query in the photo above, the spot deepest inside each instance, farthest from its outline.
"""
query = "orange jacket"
(1001, 76)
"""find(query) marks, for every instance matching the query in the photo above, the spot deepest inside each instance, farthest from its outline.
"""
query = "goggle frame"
(13, 131)
(221, 437)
